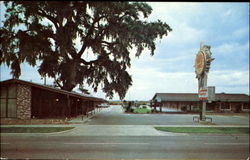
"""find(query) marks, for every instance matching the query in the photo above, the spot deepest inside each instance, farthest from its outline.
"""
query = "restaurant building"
(189, 102)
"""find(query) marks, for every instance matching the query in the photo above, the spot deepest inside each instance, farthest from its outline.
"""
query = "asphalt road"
(124, 147)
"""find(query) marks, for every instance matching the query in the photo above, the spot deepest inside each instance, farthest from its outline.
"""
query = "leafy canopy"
(55, 36)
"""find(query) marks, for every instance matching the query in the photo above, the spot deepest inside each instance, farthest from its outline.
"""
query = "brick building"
(24, 100)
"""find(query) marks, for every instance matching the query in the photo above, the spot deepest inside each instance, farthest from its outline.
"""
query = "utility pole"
(44, 79)
(202, 66)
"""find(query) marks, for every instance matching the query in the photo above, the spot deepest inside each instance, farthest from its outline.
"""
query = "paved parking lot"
(114, 115)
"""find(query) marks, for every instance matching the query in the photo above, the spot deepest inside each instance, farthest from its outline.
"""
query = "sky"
(223, 26)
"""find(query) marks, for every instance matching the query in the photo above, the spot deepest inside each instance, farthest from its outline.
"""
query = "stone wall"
(23, 101)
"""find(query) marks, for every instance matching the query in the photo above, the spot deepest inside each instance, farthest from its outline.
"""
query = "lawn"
(222, 130)
(34, 129)
(141, 110)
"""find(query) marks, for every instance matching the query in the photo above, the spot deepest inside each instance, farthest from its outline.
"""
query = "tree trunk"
(70, 82)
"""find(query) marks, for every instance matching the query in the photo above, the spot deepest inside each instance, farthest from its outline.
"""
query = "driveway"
(116, 130)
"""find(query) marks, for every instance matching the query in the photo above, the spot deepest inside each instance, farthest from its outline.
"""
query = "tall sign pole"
(202, 65)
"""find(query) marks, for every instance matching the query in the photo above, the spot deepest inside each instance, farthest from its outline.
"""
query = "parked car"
(145, 106)
(103, 105)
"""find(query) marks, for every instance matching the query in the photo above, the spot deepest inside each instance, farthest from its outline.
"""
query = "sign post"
(202, 65)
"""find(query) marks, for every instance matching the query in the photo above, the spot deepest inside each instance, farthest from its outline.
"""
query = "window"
(225, 106)
(245, 106)
(8, 101)
(12, 91)
(3, 92)
(3, 101)
(11, 108)
(3, 107)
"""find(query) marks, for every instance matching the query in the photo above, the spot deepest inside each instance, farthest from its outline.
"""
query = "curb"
(69, 130)
(211, 126)
(14, 134)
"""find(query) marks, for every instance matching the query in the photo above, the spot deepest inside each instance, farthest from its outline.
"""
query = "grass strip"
(34, 129)
(221, 130)
(141, 110)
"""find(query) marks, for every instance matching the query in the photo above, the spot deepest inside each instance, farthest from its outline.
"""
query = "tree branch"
(52, 19)
(94, 61)
(109, 43)
(58, 83)
(90, 32)
(87, 63)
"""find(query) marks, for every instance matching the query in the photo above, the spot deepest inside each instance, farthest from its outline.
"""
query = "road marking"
(109, 143)
(228, 143)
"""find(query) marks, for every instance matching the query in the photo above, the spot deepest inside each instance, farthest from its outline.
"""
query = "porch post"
(68, 106)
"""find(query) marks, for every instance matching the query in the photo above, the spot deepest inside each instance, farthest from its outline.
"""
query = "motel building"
(25, 100)
(189, 102)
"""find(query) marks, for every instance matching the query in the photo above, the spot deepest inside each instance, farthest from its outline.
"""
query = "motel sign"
(203, 94)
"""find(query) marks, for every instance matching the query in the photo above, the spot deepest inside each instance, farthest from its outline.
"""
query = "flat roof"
(52, 89)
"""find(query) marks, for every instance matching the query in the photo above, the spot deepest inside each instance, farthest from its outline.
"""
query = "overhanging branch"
(58, 83)
(90, 32)
(52, 19)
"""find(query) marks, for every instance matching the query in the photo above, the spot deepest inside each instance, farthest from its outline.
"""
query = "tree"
(55, 36)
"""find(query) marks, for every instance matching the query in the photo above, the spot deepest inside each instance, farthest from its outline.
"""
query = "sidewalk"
(110, 130)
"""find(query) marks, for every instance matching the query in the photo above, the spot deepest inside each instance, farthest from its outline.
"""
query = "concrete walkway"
(96, 130)
(116, 130)
(110, 130)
